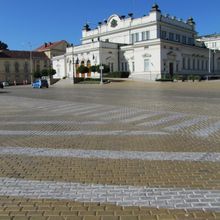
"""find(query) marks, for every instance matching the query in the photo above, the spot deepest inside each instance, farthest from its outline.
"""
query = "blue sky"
(39, 21)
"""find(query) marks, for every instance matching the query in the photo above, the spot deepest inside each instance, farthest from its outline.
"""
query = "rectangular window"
(163, 34)
(177, 37)
(7, 67)
(133, 66)
(190, 41)
(126, 67)
(145, 35)
(132, 38)
(45, 64)
(214, 45)
(171, 36)
(194, 64)
(189, 64)
(202, 64)
(206, 65)
(112, 67)
(198, 64)
(137, 37)
(122, 67)
(146, 65)
(184, 39)
(184, 63)
(218, 65)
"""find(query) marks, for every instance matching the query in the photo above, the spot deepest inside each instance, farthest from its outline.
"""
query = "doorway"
(171, 70)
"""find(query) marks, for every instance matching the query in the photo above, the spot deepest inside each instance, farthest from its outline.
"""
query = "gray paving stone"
(103, 193)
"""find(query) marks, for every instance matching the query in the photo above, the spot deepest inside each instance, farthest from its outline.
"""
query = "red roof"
(50, 45)
(22, 54)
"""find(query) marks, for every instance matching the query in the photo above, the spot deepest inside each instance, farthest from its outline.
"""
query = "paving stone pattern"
(115, 155)
(119, 195)
(127, 151)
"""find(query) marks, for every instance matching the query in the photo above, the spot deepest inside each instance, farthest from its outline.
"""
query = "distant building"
(149, 48)
(15, 66)
(211, 41)
(52, 49)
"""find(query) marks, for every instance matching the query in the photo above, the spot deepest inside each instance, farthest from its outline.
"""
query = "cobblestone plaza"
(121, 151)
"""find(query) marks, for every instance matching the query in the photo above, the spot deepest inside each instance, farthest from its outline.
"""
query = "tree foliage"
(3, 46)
(105, 70)
(97, 68)
(82, 69)
(37, 75)
(44, 72)
(93, 69)
(51, 72)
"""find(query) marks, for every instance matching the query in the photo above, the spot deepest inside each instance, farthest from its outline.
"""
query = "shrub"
(93, 69)
(37, 75)
(88, 80)
(117, 75)
(82, 69)
(105, 70)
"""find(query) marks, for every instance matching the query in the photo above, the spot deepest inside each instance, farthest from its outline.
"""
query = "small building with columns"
(148, 47)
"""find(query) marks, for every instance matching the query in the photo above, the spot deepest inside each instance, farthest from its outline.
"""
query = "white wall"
(59, 64)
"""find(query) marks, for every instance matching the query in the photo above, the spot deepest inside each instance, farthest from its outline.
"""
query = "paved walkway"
(115, 152)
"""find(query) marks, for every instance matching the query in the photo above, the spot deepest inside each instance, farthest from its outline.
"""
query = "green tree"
(44, 72)
(93, 69)
(3, 46)
(105, 70)
(51, 72)
(37, 75)
(82, 69)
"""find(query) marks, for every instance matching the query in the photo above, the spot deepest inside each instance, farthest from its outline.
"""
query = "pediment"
(146, 55)
(171, 53)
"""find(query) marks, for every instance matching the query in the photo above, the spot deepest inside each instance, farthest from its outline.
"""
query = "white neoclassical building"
(147, 47)
(211, 41)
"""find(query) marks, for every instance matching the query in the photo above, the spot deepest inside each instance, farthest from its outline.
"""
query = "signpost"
(101, 74)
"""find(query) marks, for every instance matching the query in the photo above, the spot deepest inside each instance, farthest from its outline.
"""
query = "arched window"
(88, 63)
(70, 66)
(82, 63)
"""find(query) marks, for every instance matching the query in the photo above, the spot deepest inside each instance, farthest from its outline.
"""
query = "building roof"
(50, 45)
(211, 35)
(21, 54)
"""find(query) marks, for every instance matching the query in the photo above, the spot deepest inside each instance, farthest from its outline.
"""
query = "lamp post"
(31, 67)
(101, 73)
(101, 67)
(210, 52)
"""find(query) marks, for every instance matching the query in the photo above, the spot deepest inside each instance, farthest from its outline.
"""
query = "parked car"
(1, 85)
(5, 83)
(40, 83)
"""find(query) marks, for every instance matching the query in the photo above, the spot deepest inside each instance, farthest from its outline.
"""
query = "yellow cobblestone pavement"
(125, 117)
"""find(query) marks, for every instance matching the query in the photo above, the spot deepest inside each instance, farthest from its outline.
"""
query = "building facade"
(52, 49)
(149, 48)
(211, 41)
(16, 66)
